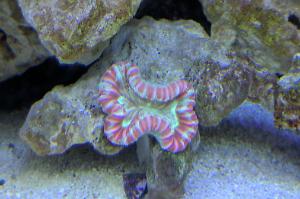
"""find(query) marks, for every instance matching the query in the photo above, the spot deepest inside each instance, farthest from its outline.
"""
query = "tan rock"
(77, 31)
(67, 116)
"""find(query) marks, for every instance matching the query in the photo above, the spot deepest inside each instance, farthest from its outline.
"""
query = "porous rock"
(67, 116)
(287, 98)
(287, 104)
(77, 31)
(20, 47)
(266, 32)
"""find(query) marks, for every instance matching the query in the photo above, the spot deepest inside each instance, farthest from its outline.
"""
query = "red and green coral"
(135, 107)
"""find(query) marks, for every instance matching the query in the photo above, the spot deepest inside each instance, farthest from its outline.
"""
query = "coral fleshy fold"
(135, 107)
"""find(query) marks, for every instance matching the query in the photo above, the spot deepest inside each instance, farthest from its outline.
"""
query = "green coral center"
(167, 112)
(174, 118)
(121, 100)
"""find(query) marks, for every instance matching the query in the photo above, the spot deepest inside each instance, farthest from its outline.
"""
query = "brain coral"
(135, 107)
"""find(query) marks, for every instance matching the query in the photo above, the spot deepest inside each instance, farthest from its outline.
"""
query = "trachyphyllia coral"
(135, 107)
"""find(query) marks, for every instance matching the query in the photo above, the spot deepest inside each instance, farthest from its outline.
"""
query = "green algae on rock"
(20, 47)
(77, 31)
(256, 29)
